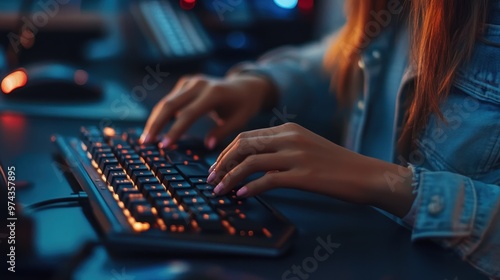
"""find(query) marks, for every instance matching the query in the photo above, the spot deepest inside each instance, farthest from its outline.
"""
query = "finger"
(183, 81)
(264, 132)
(243, 148)
(187, 116)
(249, 166)
(219, 133)
(165, 110)
(216, 118)
(269, 181)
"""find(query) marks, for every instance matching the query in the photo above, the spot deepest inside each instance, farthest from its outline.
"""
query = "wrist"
(390, 188)
(261, 86)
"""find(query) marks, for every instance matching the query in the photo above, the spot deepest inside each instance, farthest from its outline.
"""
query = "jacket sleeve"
(459, 213)
(301, 81)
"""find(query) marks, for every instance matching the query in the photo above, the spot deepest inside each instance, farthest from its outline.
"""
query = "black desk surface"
(370, 246)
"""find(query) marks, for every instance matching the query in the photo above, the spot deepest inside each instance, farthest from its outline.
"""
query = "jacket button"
(361, 64)
(436, 205)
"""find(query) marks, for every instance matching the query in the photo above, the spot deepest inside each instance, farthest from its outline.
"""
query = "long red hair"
(443, 34)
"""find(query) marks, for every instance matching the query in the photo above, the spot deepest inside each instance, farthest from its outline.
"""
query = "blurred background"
(114, 59)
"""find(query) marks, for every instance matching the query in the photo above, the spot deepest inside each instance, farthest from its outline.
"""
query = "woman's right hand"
(231, 102)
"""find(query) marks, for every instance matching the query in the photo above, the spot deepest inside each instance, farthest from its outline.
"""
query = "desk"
(369, 245)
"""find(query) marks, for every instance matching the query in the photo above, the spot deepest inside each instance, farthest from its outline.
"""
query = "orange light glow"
(14, 80)
(13, 125)
(267, 232)
(109, 132)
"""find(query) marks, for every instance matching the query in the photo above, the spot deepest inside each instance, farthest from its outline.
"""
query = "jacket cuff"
(446, 203)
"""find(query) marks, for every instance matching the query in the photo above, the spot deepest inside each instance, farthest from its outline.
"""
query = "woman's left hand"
(295, 157)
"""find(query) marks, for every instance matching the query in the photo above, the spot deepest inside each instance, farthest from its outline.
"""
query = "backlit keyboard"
(148, 199)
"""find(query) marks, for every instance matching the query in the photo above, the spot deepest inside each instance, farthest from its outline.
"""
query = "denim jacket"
(456, 165)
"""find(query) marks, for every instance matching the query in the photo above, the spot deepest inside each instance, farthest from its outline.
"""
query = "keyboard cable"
(65, 201)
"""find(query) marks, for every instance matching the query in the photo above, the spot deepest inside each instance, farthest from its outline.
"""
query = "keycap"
(122, 192)
(200, 209)
(123, 151)
(143, 213)
(152, 160)
(103, 162)
(116, 175)
(173, 178)
(140, 173)
(150, 153)
(133, 198)
(136, 167)
(209, 194)
(130, 162)
(205, 187)
(141, 181)
(192, 170)
(164, 202)
(95, 143)
(166, 171)
(124, 157)
(209, 222)
(220, 201)
(178, 218)
(145, 148)
(179, 193)
(179, 185)
(151, 188)
(197, 180)
(94, 148)
(100, 156)
(157, 167)
(153, 195)
(122, 184)
(193, 200)
(100, 150)
(110, 168)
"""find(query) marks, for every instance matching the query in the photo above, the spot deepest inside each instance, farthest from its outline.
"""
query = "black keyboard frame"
(122, 239)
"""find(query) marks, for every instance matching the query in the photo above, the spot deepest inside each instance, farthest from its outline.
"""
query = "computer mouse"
(51, 82)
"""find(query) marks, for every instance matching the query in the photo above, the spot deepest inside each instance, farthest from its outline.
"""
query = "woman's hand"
(295, 157)
(231, 102)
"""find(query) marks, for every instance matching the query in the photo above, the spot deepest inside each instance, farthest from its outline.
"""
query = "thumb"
(219, 133)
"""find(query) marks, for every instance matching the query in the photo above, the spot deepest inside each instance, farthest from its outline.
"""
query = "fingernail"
(212, 167)
(211, 142)
(218, 188)
(211, 177)
(242, 192)
(164, 143)
(144, 138)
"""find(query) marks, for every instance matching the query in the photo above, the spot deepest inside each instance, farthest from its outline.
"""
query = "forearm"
(374, 182)
(365, 180)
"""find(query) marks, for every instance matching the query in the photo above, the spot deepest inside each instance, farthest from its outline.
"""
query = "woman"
(417, 90)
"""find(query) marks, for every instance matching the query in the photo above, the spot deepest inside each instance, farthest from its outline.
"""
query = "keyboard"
(151, 200)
